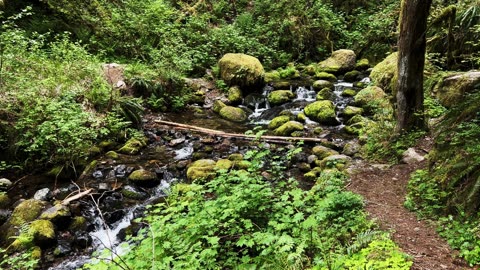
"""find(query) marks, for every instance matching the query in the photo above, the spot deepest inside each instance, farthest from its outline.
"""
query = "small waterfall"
(260, 103)
(340, 102)
(307, 94)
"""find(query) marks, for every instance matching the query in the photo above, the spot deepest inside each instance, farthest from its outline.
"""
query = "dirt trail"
(384, 190)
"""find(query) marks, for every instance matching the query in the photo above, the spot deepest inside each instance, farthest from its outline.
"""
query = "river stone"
(320, 84)
(201, 169)
(351, 148)
(339, 62)
(410, 156)
(197, 97)
(243, 70)
(322, 152)
(450, 90)
(280, 97)
(288, 128)
(335, 161)
(233, 114)
(59, 214)
(362, 64)
(301, 117)
(4, 215)
(352, 76)
(43, 194)
(144, 178)
(272, 76)
(4, 200)
(27, 211)
(369, 97)
(351, 111)
(278, 121)
(311, 159)
(384, 73)
(43, 232)
(325, 76)
(63, 248)
(325, 94)
(133, 146)
(235, 95)
(349, 92)
(5, 183)
(322, 111)
(218, 105)
(223, 164)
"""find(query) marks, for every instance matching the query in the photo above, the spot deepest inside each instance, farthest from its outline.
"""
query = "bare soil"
(384, 188)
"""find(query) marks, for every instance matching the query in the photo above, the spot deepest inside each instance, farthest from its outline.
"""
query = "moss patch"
(233, 114)
(280, 97)
(321, 111)
(26, 211)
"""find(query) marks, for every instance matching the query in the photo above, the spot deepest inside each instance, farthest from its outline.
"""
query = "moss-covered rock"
(322, 152)
(278, 121)
(339, 62)
(272, 76)
(384, 73)
(78, 223)
(301, 117)
(312, 175)
(339, 162)
(351, 111)
(223, 164)
(111, 155)
(450, 90)
(280, 97)
(356, 124)
(310, 69)
(133, 146)
(362, 64)
(107, 145)
(322, 111)
(281, 84)
(352, 76)
(369, 97)
(43, 232)
(288, 128)
(201, 169)
(144, 177)
(134, 193)
(59, 214)
(325, 94)
(321, 84)
(233, 114)
(4, 200)
(243, 165)
(325, 76)
(243, 70)
(235, 95)
(349, 92)
(26, 211)
(235, 157)
(5, 183)
(197, 97)
(218, 105)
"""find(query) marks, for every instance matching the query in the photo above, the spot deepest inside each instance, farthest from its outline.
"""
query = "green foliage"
(424, 194)
(24, 260)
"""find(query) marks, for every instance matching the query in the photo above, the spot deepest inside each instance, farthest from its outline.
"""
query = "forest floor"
(384, 188)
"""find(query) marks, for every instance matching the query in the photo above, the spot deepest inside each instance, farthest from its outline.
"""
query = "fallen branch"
(67, 200)
(271, 139)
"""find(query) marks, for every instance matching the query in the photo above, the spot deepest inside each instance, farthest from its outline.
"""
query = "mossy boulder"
(356, 124)
(26, 211)
(312, 175)
(339, 162)
(4, 200)
(322, 111)
(278, 121)
(43, 232)
(235, 157)
(325, 76)
(111, 155)
(325, 94)
(272, 76)
(233, 114)
(281, 84)
(301, 117)
(369, 97)
(223, 164)
(134, 193)
(243, 70)
(5, 183)
(322, 152)
(450, 90)
(218, 105)
(362, 64)
(197, 97)
(339, 62)
(280, 97)
(384, 73)
(352, 76)
(243, 165)
(144, 177)
(201, 169)
(320, 84)
(349, 92)
(133, 146)
(59, 214)
(235, 95)
(351, 111)
(288, 128)
(78, 223)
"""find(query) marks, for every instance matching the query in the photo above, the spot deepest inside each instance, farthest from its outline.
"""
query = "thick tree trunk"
(411, 61)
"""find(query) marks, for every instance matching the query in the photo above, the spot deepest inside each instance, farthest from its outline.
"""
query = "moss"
(272, 76)
(233, 114)
(384, 72)
(451, 88)
(318, 130)
(322, 152)
(352, 76)
(321, 111)
(288, 128)
(107, 145)
(36, 253)
(218, 105)
(78, 223)
(94, 151)
(280, 97)
(133, 146)
(278, 121)
(310, 69)
(320, 84)
(142, 175)
(26, 211)
(201, 169)
(55, 213)
(351, 111)
(4, 200)
(281, 84)
(243, 165)
(339, 62)
(235, 95)
(349, 92)
(301, 117)
(111, 155)
(240, 69)
(325, 76)
(369, 97)
(235, 157)
(43, 232)
(362, 64)
(312, 175)
(223, 164)
(297, 133)
(325, 94)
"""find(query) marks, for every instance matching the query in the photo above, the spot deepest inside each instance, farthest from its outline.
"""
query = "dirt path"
(384, 190)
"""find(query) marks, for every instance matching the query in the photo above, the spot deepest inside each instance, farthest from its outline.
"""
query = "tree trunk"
(411, 61)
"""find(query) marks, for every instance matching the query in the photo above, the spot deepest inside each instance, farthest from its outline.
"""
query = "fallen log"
(271, 139)
(67, 200)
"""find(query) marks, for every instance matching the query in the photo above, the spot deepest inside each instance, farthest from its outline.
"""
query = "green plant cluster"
(240, 220)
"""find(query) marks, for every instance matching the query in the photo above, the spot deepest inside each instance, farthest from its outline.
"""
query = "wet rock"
(59, 214)
(111, 155)
(325, 94)
(243, 70)
(322, 111)
(339, 62)
(320, 84)
(199, 155)
(351, 111)
(176, 142)
(103, 187)
(288, 128)
(4, 215)
(63, 248)
(97, 174)
(322, 152)
(114, 217)
(120, 170)
(235, 95)
(4, 200)
(362, 64)
(280, 97)
(253, 99)
(325, 76)
(410, 156)
(351, 148)
(278, 121)
(349, 92)
(352, 76)
(26, 211)
(233, 114)
(78, 223)
(5, 183)
(335, 161)
(132, 192)
(82, 240)
(133, 146)
(144, 178)
(201, 169)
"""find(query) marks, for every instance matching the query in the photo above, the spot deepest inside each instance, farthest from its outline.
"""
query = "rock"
(243, 70)
(351, 148)
(356, 124)
(310, 69)
(325, 76)
(197, 97)
(4, 215)
(384, 73)
(312, 175)
(272, 76)
(325, 94)
(335, 161)
(320, 84)
(301, 117)
(111, 155)
(339, 62)
(233, 114)
(218, 105)
(78, 223)
(63, 248)
(322, 111)
(5, 183)
(223, 164)
(176, 142)
(235, 95)
(349, 92)
(450, 90)
(410, 156)
(43, 232)
(43, 194)
(288, 128)
(281, 85)
(201, 169)
(143, 177)
(243, 165)
(280, 97)
(352, 76)
(132, 192)
(351, 111)
(4, 201)
(133, 146)
(235, 157)
(26, 211)
(303, 167)
(311, 159)
(362, 64)
(278, 121)
(322, 152)
(369, 98)
(59, 214)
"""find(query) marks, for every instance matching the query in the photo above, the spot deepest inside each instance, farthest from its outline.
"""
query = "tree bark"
(411, 62)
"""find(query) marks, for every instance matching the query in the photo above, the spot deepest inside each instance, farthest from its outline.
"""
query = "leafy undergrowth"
(240, 220)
